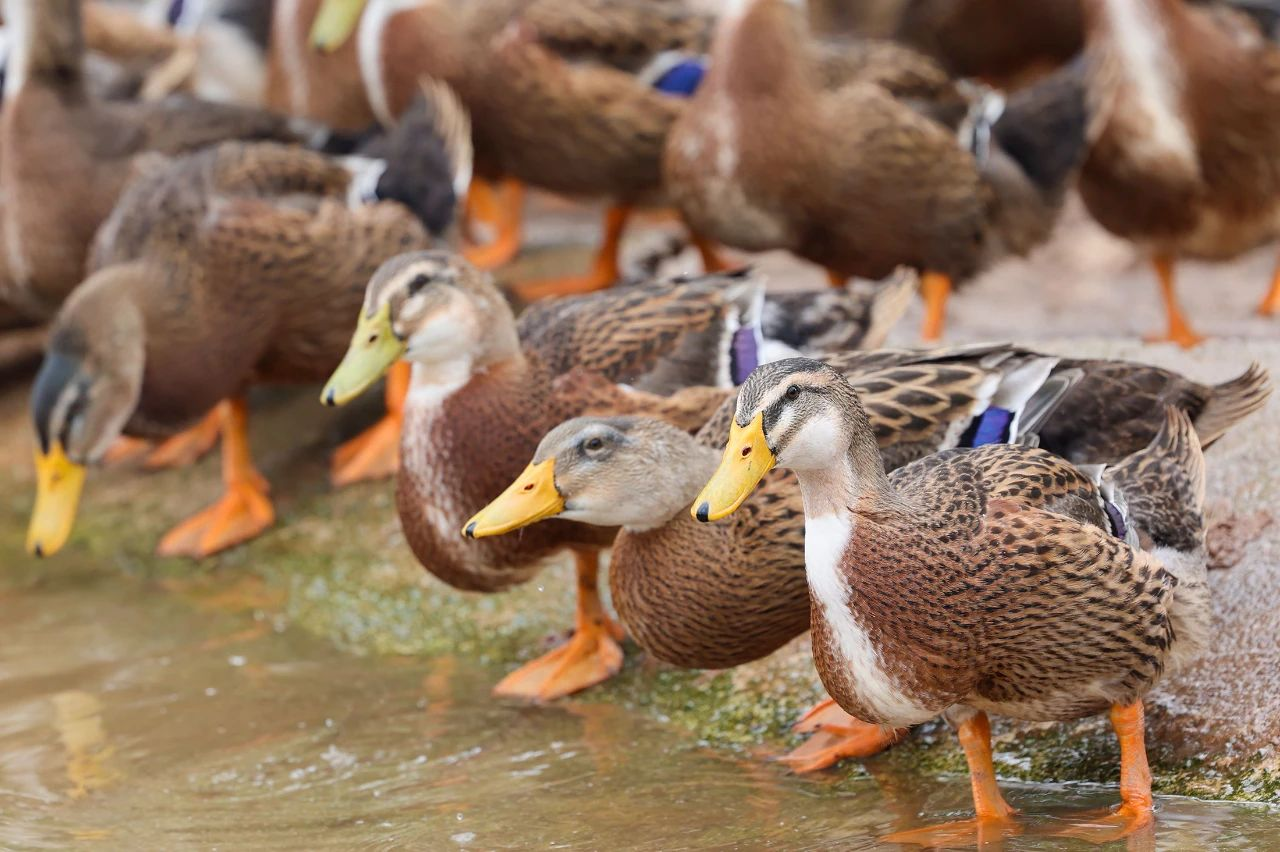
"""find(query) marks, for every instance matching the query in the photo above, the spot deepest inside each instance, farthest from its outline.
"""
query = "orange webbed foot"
(188, 446)
(836, 736)
(1181, 335)
(591, 656)
(958, 834)
(242, 513)
(1110, 825)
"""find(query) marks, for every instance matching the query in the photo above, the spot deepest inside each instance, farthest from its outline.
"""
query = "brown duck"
(65, 157)
(560, 95)
(860, 178)
(487, 387)
(998, 579)
(1184, 157)
(722, 596)
(230, 267)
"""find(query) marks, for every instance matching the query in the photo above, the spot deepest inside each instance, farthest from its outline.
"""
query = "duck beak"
(374, 348)
(747, 458)
(532, 497)
(59, 482)
(334, 23)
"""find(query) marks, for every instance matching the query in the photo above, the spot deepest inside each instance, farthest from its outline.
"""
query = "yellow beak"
(59, 482)
(532, 497)
(747, 458)
(374, 348)
(334, 23)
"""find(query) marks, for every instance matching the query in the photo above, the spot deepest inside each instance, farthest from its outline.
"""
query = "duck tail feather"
(1232, 401)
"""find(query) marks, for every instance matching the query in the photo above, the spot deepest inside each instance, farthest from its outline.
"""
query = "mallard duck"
(998, 579)
(1007, 45)
(66, 157)
(859, 178)
(225, 268)
(324, 86)
(720, 597)
(485, 388)
(1184, 155)
(562, 94)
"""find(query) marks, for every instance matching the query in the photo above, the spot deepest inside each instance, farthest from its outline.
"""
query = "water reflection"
(133, 718)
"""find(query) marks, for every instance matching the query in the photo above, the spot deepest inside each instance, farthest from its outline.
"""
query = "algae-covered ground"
(337, 565)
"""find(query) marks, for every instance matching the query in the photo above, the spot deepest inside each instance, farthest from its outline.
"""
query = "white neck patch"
(1142, 47)
(826, 541)
(370, 39)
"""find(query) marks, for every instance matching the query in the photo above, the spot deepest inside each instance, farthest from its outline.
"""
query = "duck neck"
(684, 470)
(48, 42)
(855, 484)
(757, 51)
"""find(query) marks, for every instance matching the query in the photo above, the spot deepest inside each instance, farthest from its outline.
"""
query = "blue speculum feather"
(1118, 527)
(990, 427)
(175, 12)
(744, 356)
(682, 79)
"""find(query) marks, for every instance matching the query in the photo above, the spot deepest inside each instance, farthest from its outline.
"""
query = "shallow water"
(135, 718)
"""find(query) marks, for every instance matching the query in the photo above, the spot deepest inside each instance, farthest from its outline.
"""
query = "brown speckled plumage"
(859, 178)
(1208, 184)
(477, 408)
(986, 578)
(65, 156)
(236, 265)
(720, 596)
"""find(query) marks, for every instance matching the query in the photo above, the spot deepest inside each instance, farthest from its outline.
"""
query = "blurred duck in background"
(1184, 156)
(238, 265)
(324, 86)
(875, 170)
(565, 96)
(65, 156)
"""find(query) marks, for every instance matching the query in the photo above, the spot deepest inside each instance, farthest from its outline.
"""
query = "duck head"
(431, 308)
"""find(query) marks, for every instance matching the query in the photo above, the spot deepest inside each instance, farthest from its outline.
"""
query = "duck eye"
(793, 393)
(593, 444)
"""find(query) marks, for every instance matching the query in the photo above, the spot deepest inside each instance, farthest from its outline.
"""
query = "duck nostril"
(528, 487)
(746, 451)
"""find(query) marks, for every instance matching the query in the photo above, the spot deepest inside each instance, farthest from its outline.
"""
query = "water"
(136, 718)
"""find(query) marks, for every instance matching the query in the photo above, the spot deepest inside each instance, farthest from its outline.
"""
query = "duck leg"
(244, 510)
(1179, 329)
(188, 446)
(375, 453)
(709, 252)
(1270, 305)
(1135, 812)
(994, 816)
(504, 209)
(591, 656)
(604, 271)
(836, 735)
(936, 288)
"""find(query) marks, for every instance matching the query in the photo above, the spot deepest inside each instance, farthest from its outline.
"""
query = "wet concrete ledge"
(336, 564)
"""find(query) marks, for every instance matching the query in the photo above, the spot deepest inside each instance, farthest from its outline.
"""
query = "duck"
(1007, 47)
(1043, 598)
(726, 595)
(486, 386)
(65, 157)
(218, 270)
(324, 86)
(562, 96)
(873, 178)
(1184, 141)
